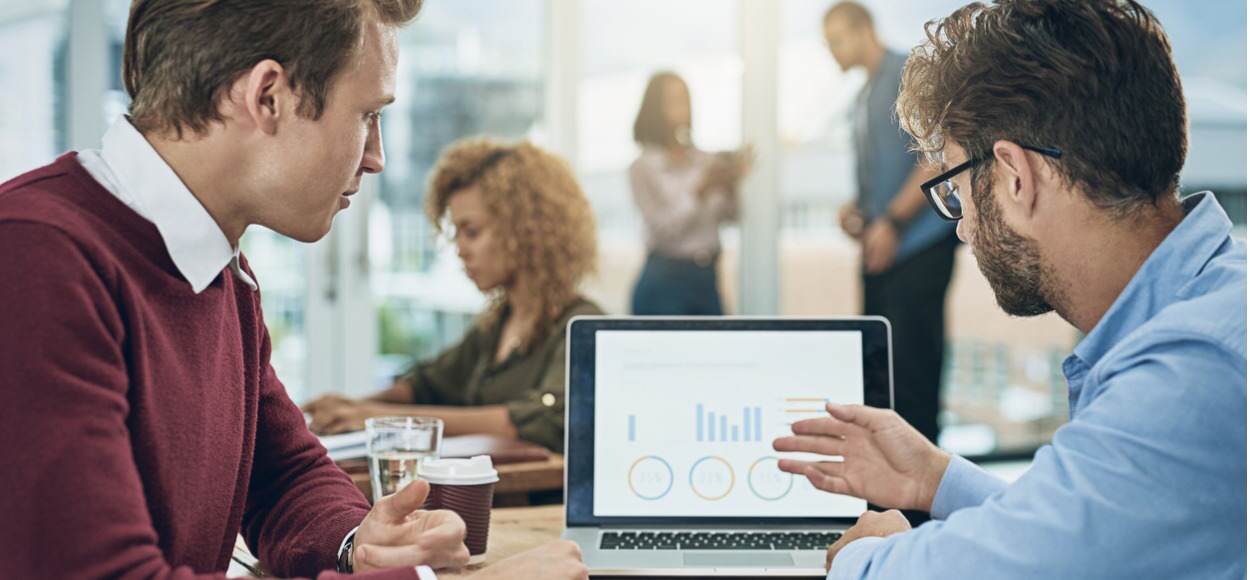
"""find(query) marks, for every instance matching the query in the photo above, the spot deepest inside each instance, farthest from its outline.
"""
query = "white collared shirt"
(129, 168)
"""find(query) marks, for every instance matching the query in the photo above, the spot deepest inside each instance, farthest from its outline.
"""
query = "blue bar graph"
(633, 428)
(713, 427)
(759, 424)
(698, 419)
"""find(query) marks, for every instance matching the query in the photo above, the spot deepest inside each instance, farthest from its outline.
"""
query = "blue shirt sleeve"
(963, 485)
(1149, 480)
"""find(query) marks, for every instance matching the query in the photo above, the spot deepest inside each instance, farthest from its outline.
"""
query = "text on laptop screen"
(685, 420)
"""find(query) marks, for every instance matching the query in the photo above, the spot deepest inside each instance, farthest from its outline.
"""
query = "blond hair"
(543, 218)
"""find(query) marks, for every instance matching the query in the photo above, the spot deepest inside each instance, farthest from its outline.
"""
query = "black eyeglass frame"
(944, 211)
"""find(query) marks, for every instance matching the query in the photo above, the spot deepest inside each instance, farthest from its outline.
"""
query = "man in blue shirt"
(1061, 129)
(908, 253)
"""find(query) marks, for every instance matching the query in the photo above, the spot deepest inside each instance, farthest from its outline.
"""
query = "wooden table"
(516, 480)
(512, 531)
(517, 529)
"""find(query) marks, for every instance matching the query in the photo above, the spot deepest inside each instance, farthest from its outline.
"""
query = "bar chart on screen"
(684, 424)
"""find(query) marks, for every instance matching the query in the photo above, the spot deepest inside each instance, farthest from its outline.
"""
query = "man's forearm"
(909, 200)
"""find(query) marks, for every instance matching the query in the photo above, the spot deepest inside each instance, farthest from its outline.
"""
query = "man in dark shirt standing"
(908, 255)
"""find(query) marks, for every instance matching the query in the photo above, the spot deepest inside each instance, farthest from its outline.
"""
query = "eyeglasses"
(944, 195)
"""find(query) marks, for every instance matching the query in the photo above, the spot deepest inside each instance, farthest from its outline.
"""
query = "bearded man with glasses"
(1060, 127)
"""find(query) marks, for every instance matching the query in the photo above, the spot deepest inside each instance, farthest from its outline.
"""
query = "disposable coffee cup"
(467, 487)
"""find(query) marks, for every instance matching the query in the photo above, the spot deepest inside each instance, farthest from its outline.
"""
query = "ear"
(1015, 172)
(262, 96)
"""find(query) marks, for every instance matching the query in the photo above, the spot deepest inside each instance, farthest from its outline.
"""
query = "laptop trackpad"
(738, 560)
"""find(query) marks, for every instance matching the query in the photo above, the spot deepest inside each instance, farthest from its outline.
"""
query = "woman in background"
(526, 235)
(684, 195)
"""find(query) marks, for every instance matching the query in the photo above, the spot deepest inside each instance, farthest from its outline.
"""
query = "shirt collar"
(193, 239)
(1176, 261)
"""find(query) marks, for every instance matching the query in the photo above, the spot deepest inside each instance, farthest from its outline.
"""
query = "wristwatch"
(346, 558)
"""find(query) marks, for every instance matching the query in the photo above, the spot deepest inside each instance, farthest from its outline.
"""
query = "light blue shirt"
(1148, 477)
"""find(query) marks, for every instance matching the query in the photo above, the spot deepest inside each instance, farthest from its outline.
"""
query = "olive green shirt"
(530, 383)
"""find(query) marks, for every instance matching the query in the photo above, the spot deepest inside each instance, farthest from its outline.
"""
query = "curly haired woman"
(526, 235)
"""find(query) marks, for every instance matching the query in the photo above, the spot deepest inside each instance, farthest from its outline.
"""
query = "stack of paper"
(346, 445)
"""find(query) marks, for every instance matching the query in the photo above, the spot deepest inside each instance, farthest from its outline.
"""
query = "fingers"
(872, 260)
(370, 556)
(395, 508)
(324, 418)
(863, 416)
(343, 417)
(324, 402)
(829, 477)
(823, 445)
(826, 426)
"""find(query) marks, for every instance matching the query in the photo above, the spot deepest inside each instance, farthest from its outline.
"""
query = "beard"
(1010, 262)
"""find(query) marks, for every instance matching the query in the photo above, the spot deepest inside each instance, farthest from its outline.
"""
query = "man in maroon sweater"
(144, 426)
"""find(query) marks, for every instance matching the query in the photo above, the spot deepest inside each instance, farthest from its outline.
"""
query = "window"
(623, 43)
(471, 67)
(32, 74)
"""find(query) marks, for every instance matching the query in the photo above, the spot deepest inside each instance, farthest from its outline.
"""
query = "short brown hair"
(1094, 78)
(544, 220)
(181, 55)
(650, 126)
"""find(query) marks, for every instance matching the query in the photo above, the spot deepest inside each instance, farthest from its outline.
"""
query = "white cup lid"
(473, 471)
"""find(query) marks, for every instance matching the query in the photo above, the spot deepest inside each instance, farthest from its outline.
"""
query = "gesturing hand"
(397, 532)
(884, 460)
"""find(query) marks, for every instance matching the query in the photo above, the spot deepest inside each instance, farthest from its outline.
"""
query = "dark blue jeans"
(676, 287)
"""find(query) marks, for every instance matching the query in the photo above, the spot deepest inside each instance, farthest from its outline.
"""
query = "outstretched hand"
(884, 460)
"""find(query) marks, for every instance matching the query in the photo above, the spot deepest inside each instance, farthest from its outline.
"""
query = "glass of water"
(397, 446)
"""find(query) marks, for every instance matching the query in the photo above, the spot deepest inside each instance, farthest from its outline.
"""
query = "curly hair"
(543, 218)
(1094, 78)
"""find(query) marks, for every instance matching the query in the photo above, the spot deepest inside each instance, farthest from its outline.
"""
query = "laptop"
(670, 469)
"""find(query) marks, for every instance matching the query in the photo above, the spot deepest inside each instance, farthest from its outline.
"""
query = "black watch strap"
(346, 561)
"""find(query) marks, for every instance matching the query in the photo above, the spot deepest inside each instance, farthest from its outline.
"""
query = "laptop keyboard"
(717, 540)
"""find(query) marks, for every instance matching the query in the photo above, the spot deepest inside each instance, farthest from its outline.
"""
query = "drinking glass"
(397, 446)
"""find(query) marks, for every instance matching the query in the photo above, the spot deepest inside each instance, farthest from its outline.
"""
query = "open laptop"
(668, 440)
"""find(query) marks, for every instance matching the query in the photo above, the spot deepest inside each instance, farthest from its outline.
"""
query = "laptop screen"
(684, 420)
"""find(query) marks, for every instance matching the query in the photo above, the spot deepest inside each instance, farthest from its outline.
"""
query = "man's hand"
(870, 524)
(851, 220)
(398, 533)
(884, 460)
(555, 561)
(880, 246)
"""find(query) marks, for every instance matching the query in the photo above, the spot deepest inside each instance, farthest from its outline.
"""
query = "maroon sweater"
(143, 426)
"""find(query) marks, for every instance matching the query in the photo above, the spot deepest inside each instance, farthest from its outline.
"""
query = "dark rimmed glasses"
(943, 194)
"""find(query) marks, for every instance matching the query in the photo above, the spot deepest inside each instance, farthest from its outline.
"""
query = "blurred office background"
(347, 312)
